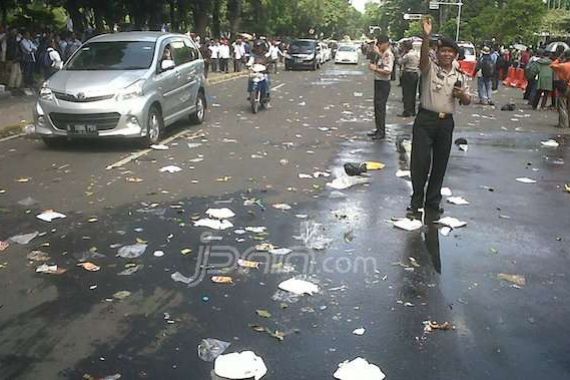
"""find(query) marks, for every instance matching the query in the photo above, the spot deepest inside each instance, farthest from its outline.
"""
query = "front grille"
(103, 121)
(76, 99)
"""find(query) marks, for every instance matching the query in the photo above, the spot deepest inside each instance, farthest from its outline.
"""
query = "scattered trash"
(50, 269)
(49, 215)
(240, 365)
(429, 326)
(130, 271)
(282, 206)
(23, 180)
(159, 147)
(298, 287)
(24, 238)
(446, 192)
(359, 331)
(4, 244)
(209, 349)
(525, 180)
(91, 254)
(248, 264)
(194, 145)
(321, 174)
(89, 266)
(186, 251)
(222, 280)
(357, 94)
(158, 253)
(280, 251)
(374, 165)
(516, 279)
(263, 313)
(27, 202)
(220, 213)
(256, 230)
(351, 169)
(38, 256)
(311, 234)
(170, 169)
(358, 369)
(453, 223)
(550, 143)
(264, 247)
(567, 187)
(121, 295)
(457, 201)
(305, 176)
(179, 277)
(445, 231)
(337, 195)
(133, 179)
(408, 224)
(403, 173)
(214, 224)
(345, 182)
(132, 251)
(508, 107)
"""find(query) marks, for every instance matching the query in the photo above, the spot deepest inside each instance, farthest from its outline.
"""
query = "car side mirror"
(167, 64)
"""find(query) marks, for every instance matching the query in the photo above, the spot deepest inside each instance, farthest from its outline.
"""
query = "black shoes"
(372, 133)
(413, 213)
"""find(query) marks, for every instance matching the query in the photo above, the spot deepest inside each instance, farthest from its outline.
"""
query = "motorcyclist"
(260, 55)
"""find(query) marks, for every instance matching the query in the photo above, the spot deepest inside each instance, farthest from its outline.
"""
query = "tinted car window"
(346, 48)
(302, 47)
(116, 55)
(195, 53)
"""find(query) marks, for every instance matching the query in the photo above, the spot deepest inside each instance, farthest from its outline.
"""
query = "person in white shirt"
(274, 53)
(51, 60)
(3, 44)
(225, 56)
(28, 59)
(239, 54)
(215, 49)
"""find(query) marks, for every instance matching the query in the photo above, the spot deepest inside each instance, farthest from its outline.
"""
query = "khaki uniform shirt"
(437, 88)
(386, 62)
(410, 62)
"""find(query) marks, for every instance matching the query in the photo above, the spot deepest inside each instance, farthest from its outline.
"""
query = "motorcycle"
(258, 87)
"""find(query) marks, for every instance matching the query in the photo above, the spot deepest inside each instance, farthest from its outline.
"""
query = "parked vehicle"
(258, 86)
(468, 50)
(347, 54)
(303, 53)
(128, 85)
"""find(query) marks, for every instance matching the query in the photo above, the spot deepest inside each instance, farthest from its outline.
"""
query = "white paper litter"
(463, 147)
(48, 269)
(457, 201)
(256, 230)
(305, 176)
(158, 253)
(282, 206)
(358, 369)
(445, 231)
(179, 277)
(240, 365)
(298, 287)
(446, 192)
(24, 238)
(280, 251)
(403, 173)
(194, 145)
(359, 331)
(550, 143)
(170, 169)
(220, 213)
(408, 224)
(345, 182)
(357, 94)
(132, 251)
(525, 180)
(159, 147)
(214, 224)
(49, 215)
(452, 222)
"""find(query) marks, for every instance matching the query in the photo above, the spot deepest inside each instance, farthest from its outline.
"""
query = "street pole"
(458, 20)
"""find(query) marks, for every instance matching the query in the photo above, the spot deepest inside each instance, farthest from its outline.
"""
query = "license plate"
(82, 129)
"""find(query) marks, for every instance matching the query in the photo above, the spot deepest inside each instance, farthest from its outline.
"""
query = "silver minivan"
(123, 85)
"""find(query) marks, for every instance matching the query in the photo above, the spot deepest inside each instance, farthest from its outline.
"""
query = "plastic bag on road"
(240, 365)
(220, 213)
(209, 349)
(132, 251)
(179, 277)
(24, 238)
(358, 369)
(345, 182)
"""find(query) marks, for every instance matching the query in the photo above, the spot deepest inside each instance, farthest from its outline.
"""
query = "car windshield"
(346, 48)
(468, 51)
(115, 55)
(302, 47)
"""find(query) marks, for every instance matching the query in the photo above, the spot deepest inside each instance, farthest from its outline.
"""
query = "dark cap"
(448, 42)
(382, 39)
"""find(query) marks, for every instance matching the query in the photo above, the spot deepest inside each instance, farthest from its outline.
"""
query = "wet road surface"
(371, 274)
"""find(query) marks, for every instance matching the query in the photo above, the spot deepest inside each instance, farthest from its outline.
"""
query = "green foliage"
(414, 29)
(37, 15)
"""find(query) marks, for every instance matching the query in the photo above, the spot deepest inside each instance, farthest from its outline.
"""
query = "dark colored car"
(303, 53)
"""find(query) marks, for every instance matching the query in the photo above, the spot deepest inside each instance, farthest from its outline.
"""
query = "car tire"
(54, 142)
(155, 127)
(199, 116)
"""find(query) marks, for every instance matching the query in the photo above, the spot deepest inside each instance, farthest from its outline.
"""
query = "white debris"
(312, 235)
(159, 147)
(359, 331)
(403, 173)
(132, 251)
(452, 222)
(282, 206)
(305, 176)
(170, 169)
(280, 251)
(357, 94)
(445, 231)
(256, 230)
(47, 269)
(214, 224)
(49, 215)
(158, 253)
(220, 213)
(446, 192)
(358, 369)
(463, 147)
(240, 365)
(408, 224)
(337, 194)
(344, 182)
(179, 277)
(321, 174)
(24, 238)
(550, 143)
(298, 287)
(457, 201)
(194, 145)
(525, 180)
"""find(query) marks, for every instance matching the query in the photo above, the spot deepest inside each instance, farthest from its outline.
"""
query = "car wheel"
(54, 142)
(155, 127)
(200, 114)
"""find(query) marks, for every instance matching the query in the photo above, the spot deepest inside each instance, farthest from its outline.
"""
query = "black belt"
(439, 115)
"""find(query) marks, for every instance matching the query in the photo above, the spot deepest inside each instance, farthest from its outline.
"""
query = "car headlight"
(132, 91)
(46, 93)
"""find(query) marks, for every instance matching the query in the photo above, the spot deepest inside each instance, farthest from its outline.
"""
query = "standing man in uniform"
(382, 70)
(443, 84)
(410, 62)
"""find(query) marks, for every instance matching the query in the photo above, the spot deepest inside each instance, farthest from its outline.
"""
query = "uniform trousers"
(381, 93)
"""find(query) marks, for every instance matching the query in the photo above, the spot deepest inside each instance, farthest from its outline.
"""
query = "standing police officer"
(382, 69)
(442, 84)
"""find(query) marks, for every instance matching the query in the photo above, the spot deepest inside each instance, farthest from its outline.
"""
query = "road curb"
(12, 130)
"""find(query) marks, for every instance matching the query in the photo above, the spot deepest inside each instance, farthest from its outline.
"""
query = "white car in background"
(347, 54)
(468, 50)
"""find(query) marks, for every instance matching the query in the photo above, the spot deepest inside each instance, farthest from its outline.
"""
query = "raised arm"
(424, 57)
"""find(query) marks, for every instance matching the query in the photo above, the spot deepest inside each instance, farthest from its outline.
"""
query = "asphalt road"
(370, 275)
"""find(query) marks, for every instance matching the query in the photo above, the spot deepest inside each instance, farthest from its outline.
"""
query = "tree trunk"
(183, 15)
(234, 16)
(258, 16)
(200, 15)
(216, 29)
(173, 18)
